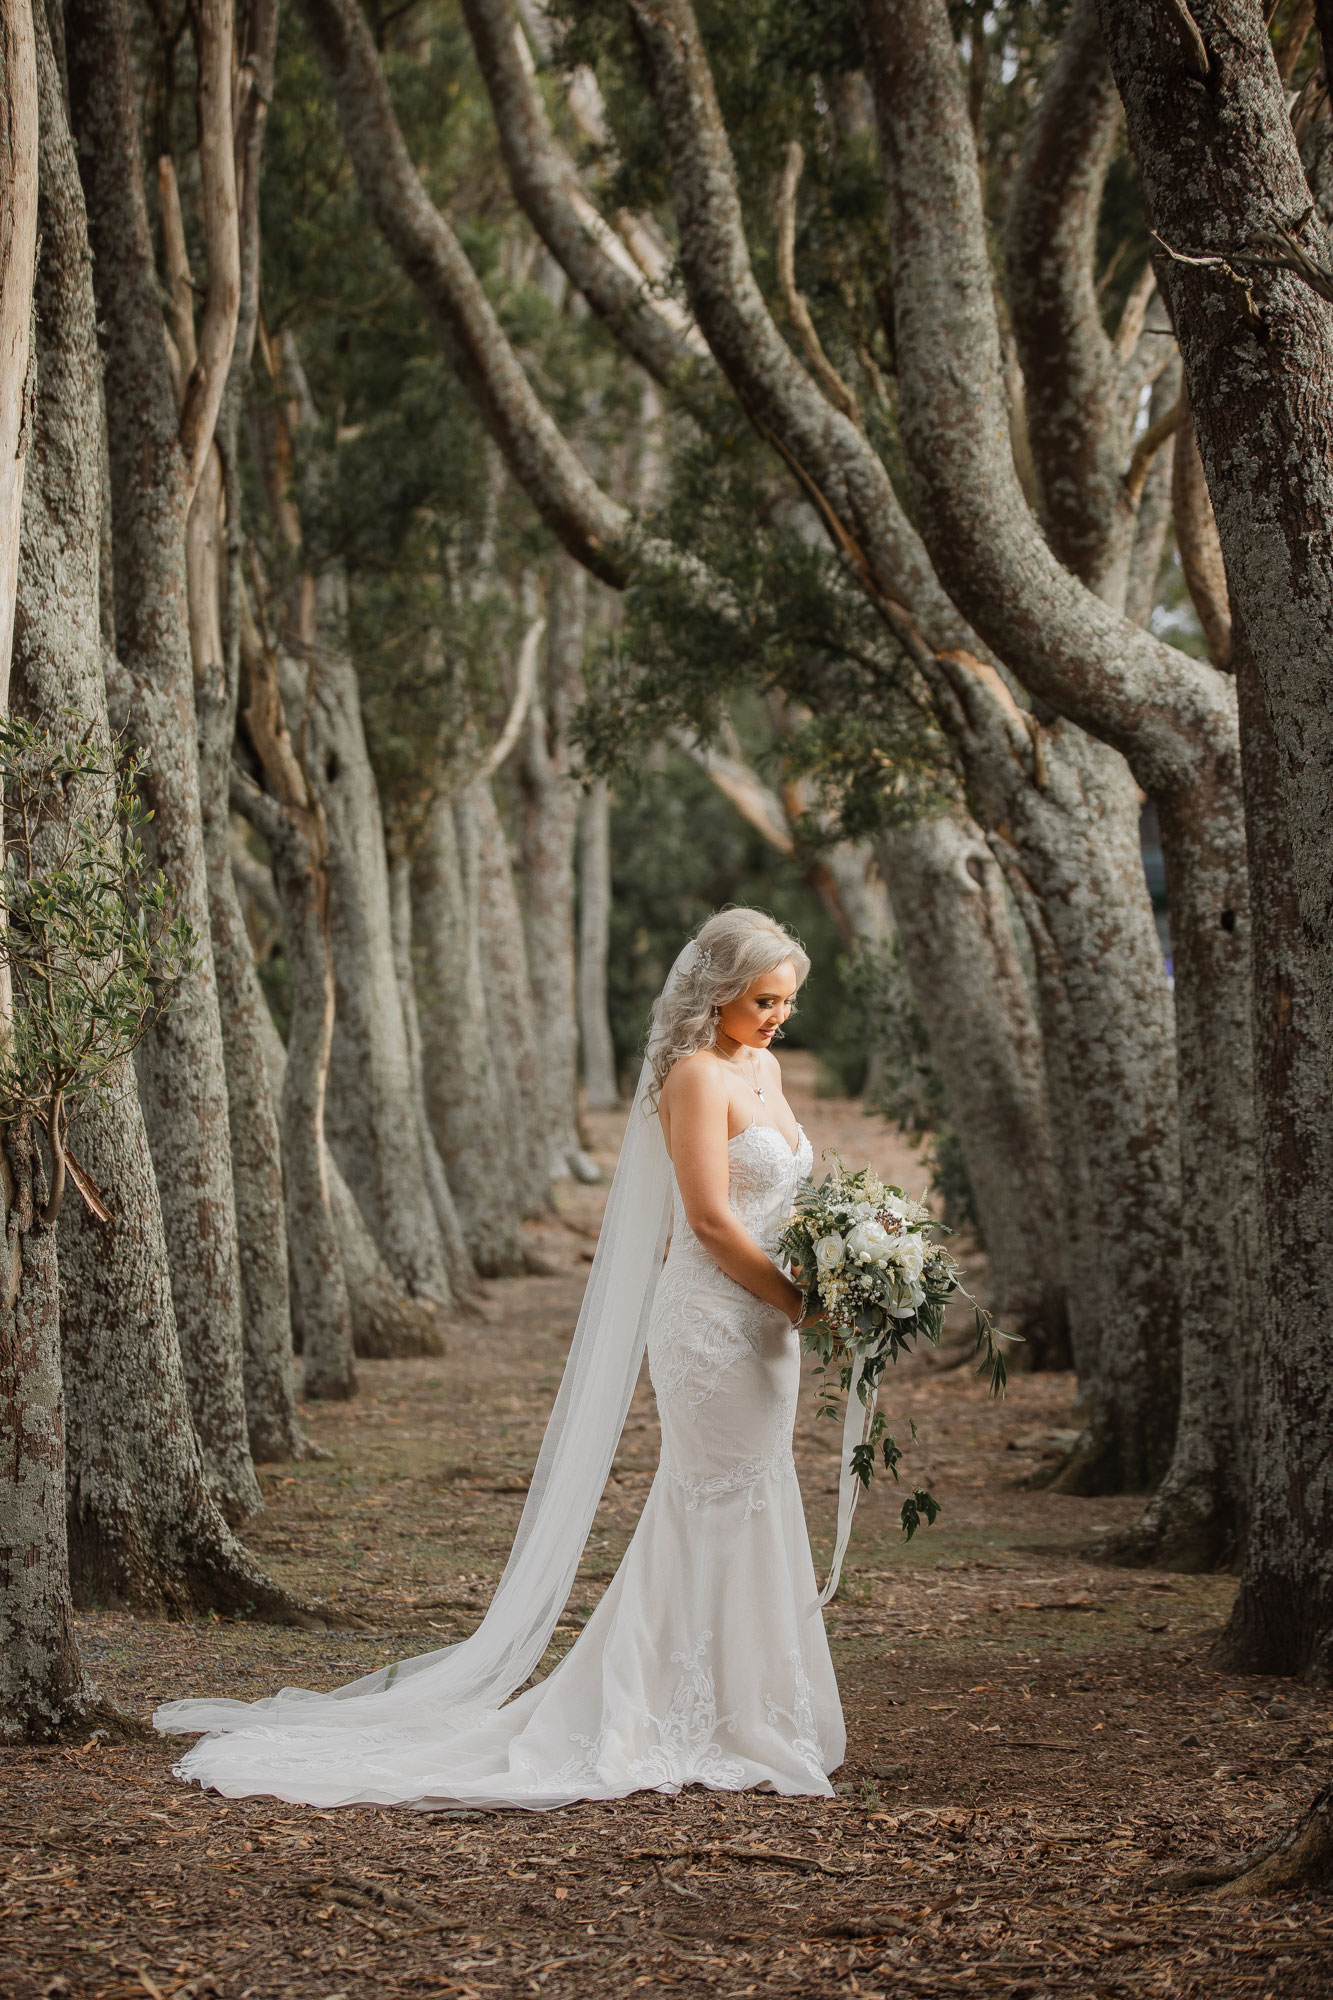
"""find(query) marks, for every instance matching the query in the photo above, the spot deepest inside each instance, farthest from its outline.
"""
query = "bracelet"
(805, 1309)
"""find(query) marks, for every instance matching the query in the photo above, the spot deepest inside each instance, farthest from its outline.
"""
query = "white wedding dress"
(705, 1663)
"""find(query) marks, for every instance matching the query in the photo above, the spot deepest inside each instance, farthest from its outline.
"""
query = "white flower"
(894, 1204)
(909, 1255)
(829, 1252)
(870, 1242)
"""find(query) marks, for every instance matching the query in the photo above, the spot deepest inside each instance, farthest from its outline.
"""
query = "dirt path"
(1036, 1741)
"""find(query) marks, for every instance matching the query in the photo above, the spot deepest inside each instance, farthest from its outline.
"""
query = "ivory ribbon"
(856, 1416)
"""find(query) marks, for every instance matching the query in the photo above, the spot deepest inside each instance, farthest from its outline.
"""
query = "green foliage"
(91, 940)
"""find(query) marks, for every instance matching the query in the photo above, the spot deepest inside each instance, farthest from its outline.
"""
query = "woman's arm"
(697, 1111)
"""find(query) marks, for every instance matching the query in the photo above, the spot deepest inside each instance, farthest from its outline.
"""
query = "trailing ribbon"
(857, 1415)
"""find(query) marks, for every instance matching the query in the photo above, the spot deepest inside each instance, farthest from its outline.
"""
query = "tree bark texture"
(1221, 176)
(1174, 719)
(215, 618)
(181, 1068)
(385, 1321)
(1282, 1619)
(18, 245)
(371, 1113)
(42, 1686)
(462, 1272)
(965, 974)
(595, 1042)
(320, 1302)
(1069, 846)
(549, 801)
(142, 1526)
(508, 990)
(1079, 415)
(462, 1083)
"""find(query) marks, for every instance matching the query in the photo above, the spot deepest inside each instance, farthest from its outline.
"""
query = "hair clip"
(703, 959)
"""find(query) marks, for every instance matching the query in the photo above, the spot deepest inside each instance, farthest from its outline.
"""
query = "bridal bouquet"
(875, 1279)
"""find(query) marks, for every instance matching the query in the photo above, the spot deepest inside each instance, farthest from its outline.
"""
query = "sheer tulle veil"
(572, 1468)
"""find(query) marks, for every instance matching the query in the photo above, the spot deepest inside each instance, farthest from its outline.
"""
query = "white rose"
(870, 1242)
(909, 1255)
(829, 1252)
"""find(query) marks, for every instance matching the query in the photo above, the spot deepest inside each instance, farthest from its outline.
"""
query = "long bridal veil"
(572, 1469)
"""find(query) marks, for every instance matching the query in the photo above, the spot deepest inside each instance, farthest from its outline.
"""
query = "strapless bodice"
(764, 1177)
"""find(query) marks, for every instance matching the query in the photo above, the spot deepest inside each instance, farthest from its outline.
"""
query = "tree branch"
(1076, 418)
(1197, 540)
(548, 189)
(1066, 646)
(222, 297)
(797, 311)
(525, 687)
(593, 527)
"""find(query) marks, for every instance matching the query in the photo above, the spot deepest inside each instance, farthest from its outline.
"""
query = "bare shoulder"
(697, 1079)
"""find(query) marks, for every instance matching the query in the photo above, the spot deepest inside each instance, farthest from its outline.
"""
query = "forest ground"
(1038, 1741)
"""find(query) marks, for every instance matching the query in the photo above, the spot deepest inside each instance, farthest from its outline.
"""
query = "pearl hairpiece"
(703, 959)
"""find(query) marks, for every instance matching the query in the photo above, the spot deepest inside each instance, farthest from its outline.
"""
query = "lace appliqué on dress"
(687, 1752)
(803, 1737)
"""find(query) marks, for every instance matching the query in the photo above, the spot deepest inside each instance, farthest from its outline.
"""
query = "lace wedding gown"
(705, 1662)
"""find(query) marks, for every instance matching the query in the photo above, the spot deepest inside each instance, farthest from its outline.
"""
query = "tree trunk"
(1069, 846)
(144, 1530)
(18, 247)
(42, 1687)
(462, 1273)
(1282, 1620)
(549, 801)
(322, 1306)
(1221, 174)
(181, 1069)
(142, 1527)
(504, 965)
(386, 1323)
(462, 1086)
(595, 1042)
(964, 970)
(214, 536)
(371, 1113)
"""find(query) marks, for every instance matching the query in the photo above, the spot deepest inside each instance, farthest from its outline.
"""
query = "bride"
(706, 1661)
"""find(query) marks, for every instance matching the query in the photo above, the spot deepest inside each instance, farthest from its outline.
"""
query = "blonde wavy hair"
(730, 951)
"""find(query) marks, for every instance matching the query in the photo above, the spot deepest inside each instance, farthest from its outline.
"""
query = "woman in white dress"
(706, 1661)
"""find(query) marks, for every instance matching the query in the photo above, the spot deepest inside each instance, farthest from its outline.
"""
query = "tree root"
(1295, 1861)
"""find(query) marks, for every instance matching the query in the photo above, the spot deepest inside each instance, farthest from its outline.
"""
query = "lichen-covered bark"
(215, 587)
(1069, 846)
(462, 1083)
(549, 801)
(1282, 1619)
(320, 1304)
(181, 1069)
(965, 974)
(595, 1044)
(1220, 171)
(142, 1526)
(18, 243)
(1078, 414)
(385, 1321)
(508, 989)
(462, 1272)
(42, 1687)
(546, 184)
(1173, 719)
(371, 1113)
